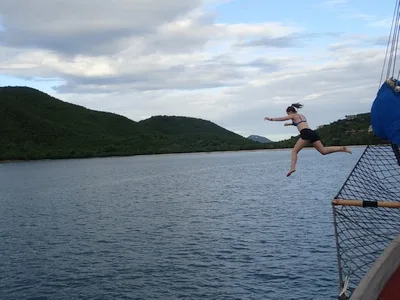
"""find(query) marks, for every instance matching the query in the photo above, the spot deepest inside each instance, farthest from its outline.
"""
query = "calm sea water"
(188, 226)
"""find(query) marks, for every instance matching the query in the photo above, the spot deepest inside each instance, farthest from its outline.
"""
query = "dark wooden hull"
(382, 282)
(391, 291)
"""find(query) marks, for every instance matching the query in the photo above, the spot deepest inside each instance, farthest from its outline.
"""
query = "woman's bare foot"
(290, 172)
(345, 149)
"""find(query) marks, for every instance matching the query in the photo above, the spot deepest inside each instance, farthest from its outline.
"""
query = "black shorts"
(309, 135)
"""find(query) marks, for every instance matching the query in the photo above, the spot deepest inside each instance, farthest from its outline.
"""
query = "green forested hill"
(177, 125)
(35, 125)
(193, 134)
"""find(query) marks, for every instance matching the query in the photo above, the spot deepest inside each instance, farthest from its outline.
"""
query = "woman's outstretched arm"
(279, 118)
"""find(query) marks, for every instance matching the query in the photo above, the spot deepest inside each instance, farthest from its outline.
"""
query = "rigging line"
(388, 42)
(398, 74)
(395, 39)
(396, 43)
(392, 37)
(398, 26)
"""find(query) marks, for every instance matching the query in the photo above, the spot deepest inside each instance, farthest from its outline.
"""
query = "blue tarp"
(385, 114)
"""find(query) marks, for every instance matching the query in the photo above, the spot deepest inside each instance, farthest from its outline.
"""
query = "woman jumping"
(307, 135)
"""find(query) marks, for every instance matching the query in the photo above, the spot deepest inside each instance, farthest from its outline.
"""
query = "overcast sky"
(228, 61)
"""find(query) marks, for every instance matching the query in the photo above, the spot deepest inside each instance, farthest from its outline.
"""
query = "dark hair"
(293, 107)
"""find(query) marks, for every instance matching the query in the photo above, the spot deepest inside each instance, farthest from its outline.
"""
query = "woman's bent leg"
(331, 149)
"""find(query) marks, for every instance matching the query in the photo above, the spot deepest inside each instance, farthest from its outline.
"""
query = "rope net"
(364, 232)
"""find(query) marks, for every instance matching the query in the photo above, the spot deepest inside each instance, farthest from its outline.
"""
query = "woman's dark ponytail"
(297, 105)
(293, 107)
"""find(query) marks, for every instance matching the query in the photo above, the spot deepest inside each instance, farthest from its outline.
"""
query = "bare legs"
(296, 149)
(328, 150)
(319, 146)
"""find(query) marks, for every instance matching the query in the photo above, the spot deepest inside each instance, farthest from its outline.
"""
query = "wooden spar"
(362, 203)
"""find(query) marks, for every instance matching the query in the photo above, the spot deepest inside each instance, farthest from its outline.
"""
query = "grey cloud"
(288, 41)
(173, 84)
(339, 47)
(263, 64)
(88, 26)
(278, 42)
(227, 60)
(176, 78)
(381, 40)
(216, 72)
(359, 41)
(94, 43)
(190, 39)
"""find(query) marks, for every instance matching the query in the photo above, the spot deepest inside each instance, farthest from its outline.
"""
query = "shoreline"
(7, 161)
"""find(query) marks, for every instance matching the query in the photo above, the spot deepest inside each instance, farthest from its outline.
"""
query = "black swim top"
(301, 121)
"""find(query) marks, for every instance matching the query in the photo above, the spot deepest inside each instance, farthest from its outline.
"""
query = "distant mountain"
(35, 125)
(259, 139)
